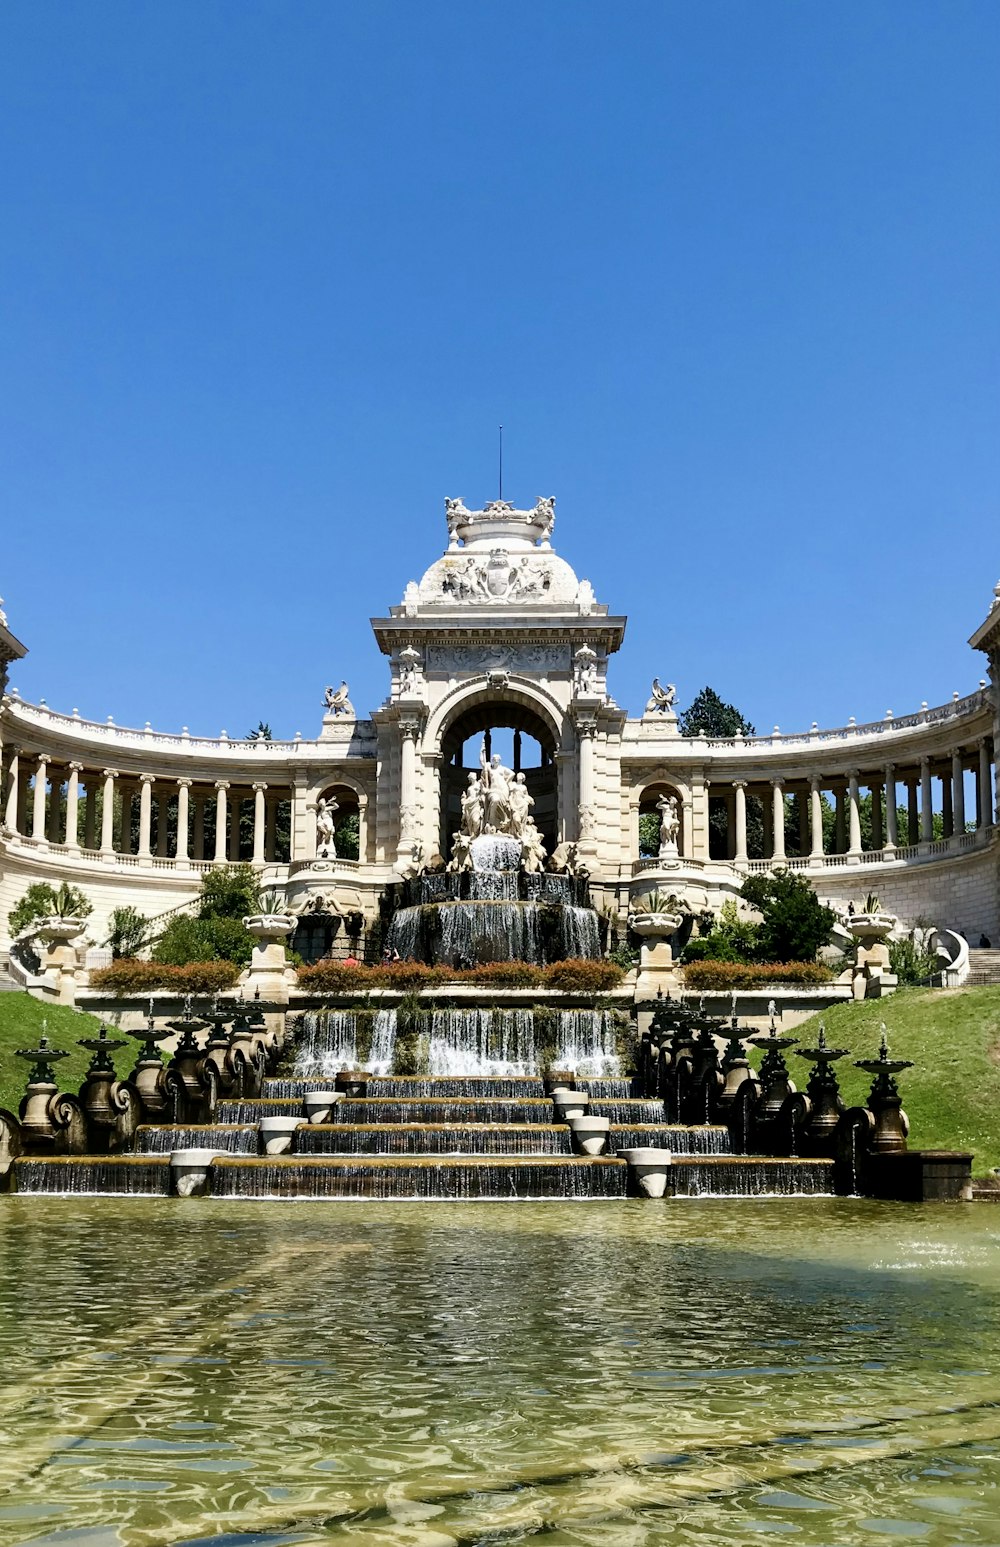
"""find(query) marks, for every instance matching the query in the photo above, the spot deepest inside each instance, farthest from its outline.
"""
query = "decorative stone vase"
(59, 964)
(269, 974)
(570, 1103)
(277, 1133)
(319, 1105)
(189, 1171)
(656, 962)
(590, 1134)
(871, 977)
(650, 1167)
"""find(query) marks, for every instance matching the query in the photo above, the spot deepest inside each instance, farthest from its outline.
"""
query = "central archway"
(526, 743)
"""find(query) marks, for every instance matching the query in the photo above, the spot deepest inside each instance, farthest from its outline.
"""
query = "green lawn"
(21, 1020)
(952, 1095)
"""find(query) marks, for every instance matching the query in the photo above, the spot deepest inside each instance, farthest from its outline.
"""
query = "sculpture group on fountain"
(496, 803)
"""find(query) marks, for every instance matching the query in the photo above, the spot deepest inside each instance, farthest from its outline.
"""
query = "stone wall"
(960, 894)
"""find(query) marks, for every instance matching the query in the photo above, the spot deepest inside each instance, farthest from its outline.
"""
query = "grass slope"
(952, 1095)
(21, 1020)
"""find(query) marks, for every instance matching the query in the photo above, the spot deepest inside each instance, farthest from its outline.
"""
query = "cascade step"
(705, 1139)
(434, 1139)
(604, 1090)
(464, 1109)
(157, 1139)
(336, 1176)
(284, 1090)
(748, 1176)
(146, 1176)
(521, 1087)
(628, 1111)
(252, 1110)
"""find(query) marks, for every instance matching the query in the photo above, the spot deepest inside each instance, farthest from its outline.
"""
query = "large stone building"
(500, 634)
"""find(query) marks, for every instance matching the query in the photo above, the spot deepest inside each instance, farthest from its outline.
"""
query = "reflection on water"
(426, 1375)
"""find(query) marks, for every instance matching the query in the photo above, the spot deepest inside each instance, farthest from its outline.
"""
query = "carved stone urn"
(872, 977)
(269, 975)
(656, 962)
(59, 964)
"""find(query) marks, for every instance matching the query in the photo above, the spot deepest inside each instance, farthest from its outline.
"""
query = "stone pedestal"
(871, 978)
(657, 975)
(269, 976)
(59, 960)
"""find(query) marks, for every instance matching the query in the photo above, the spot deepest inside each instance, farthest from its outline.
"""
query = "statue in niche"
(670, 824)
(409, 675)
(585, 662)
(326, 847)
(337, 702)
(661, 700)
(495, 800)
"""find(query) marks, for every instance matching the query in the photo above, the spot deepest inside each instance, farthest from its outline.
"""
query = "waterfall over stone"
(328, 1042)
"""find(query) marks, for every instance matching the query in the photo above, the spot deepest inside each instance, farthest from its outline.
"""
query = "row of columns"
(63, 826)
(885, 835)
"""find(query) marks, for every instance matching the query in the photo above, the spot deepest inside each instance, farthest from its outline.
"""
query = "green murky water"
(428, 1374)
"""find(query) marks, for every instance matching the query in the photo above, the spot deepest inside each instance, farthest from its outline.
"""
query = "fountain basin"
(276, 1133)
(650, 1167)
(570, 1103)
(319, 1104)
(189, 1171)
(590, 1134)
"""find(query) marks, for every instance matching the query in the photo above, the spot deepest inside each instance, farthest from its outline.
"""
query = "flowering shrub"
(128, 976)
(582, 977)
(730, 975)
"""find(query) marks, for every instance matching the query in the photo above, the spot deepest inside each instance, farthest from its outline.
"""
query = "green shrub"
(794, 923)
(229, 892)
(128, 977)
(128, 932)
(910, 964)
(582, 977)
(215, 938)
(737, 975)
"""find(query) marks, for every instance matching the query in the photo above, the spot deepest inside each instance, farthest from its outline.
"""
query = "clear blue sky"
(273, 273)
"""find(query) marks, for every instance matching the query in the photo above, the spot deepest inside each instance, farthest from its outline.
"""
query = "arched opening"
(526, 744)
(338, 823)
(650, 819)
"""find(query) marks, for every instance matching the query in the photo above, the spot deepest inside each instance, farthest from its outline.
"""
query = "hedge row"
(582, 977)
(128, 976)
(730, 975)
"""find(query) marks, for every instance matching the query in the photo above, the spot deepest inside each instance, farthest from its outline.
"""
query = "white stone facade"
(499, 632)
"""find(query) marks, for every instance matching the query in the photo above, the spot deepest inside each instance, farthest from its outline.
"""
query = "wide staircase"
(984, 968)
(399, 1137)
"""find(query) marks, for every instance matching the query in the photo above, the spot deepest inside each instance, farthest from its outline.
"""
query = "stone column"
(73, 805)
(740, 788)
(259, 791)
(816, 818)
(767, 818)
(362, 830)
(183, 799)
(585, 731)
(221, 787)
(38, 811)
(958, 790)
(161, 824)
(125, 829)
(55, 804)
(984, 786)
(854, 816)
(891, 823)
(90, 813)
(108, 811)
(199, 824)
(840, 829)
(13, 792)
(23, 794)
(947, 806)
(777, 821)
(235, 811)
(146, 782)
(926, 802)
(912, 812)
(875, 789)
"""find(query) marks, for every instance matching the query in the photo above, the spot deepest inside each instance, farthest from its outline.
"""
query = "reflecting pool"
(713, 1372)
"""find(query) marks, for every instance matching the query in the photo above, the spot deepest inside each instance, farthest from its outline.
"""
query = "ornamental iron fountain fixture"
(42, 1058)
(102, 1047)
(884, 1101)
